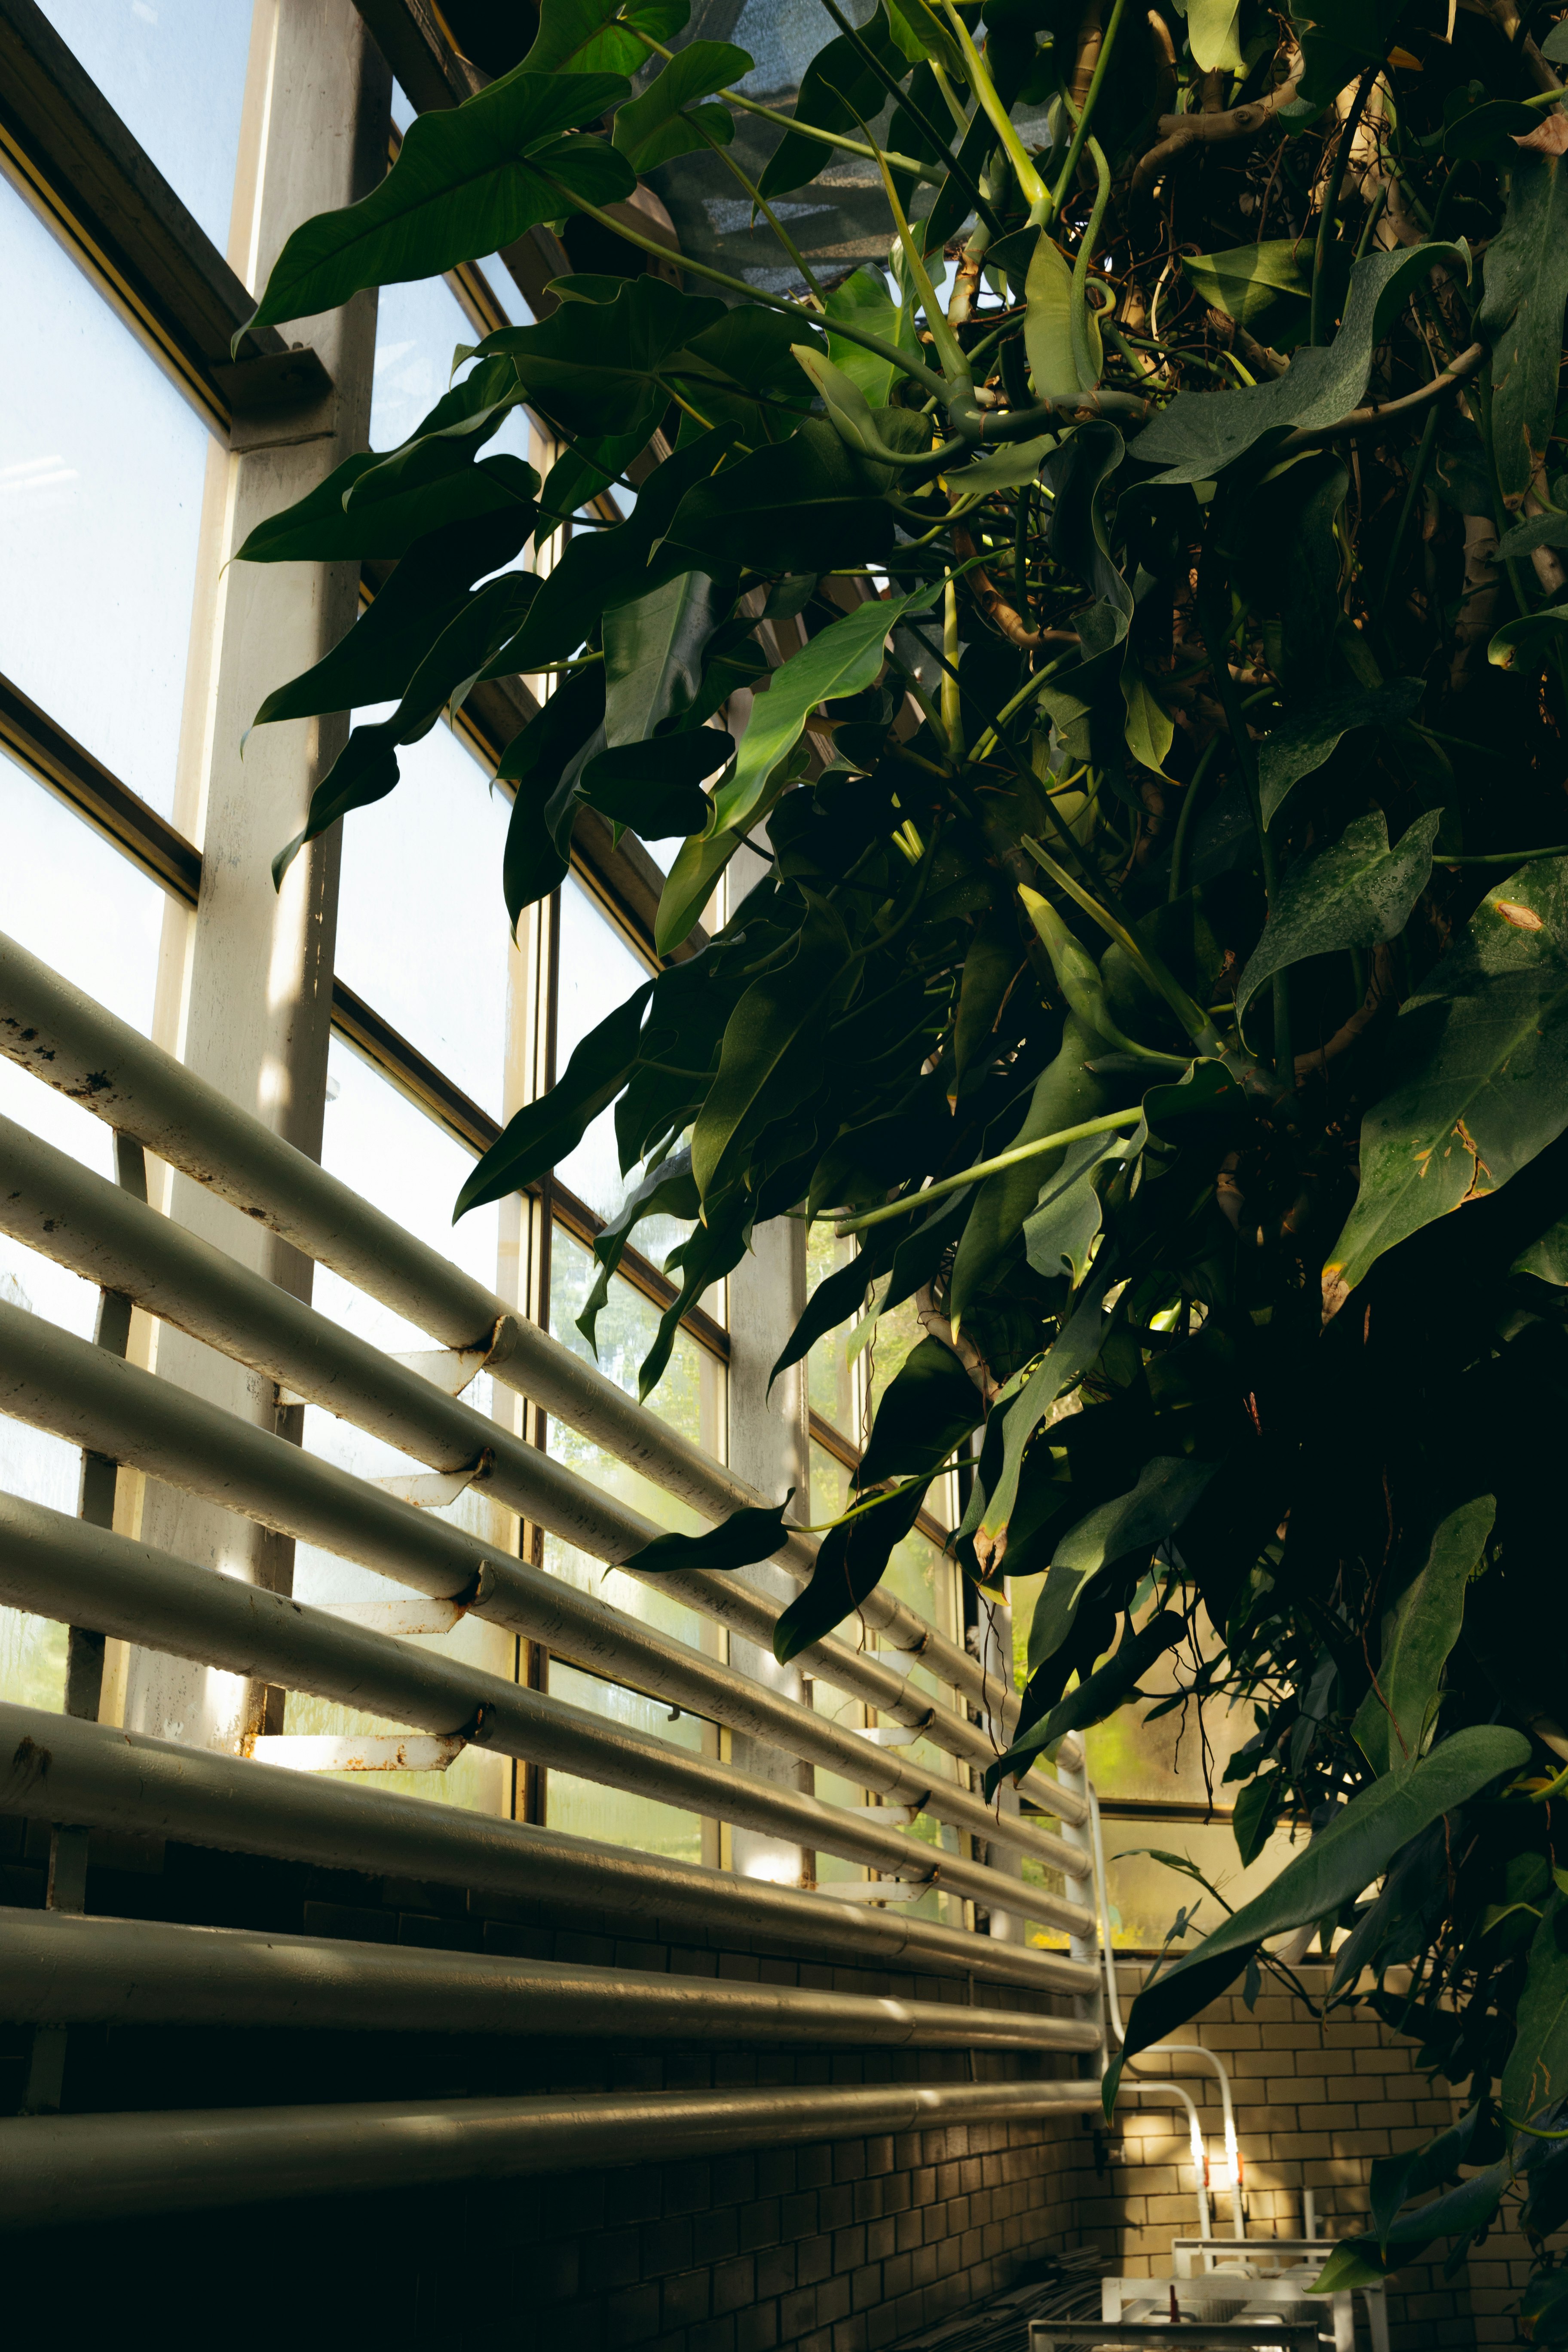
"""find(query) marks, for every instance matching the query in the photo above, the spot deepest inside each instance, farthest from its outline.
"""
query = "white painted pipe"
(56, 1768)
(83, 1575)
(72, 2169)
(62, 1967)
(61, 1036)
(78, 1391)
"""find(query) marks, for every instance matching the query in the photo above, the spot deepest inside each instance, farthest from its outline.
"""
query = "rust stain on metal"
(31, 1761)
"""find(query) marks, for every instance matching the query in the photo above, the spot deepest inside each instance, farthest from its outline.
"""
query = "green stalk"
(902, 97)
(1331, 207)
(922, 171)
(1077, 314)
(1068, 173)
(984, 1168)
(1184, 822)
(1417, 476)
(1031, 186)
(762, 206)
(952, 705)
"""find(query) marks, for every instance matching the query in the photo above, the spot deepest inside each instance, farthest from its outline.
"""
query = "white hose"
(1172, 2049)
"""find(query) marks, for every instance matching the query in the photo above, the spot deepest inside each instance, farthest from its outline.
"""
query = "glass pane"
(411, 1169)
(93, 916)
(619, 1816)
(599, 970)
(1146, 1895)
(101, 470)
(830, 1368)
(417, 327)
(422, 929)
(691, 1398)
(173, 71)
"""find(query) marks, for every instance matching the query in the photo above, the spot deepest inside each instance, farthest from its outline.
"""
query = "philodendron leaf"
(596, 36)
(1521, 316)
(1007, 469)
(1264, 288)
(1537, 2070)
(546, 1130)
(863, 301)
(467, 180)
(1527, 642)
(1067, 1358)
(1339, 1864)
(804, 505)
(747, 1536)
(1199, 434)
(847, 406)
(657, 787)
(839, 90)
(1059, 1237)
(595, 364)
(1168, 1487)
(1109, 1687)
(653, 655)
(1358, 2261)
(1212, 32)
(768, 1062)
(1479, 1073)
(1396, 2179)
(1048, 322)
(1541, 531)
(846, 658)
(1358, 892)
(1418, 1634)
(1298, 746)
(656, 127)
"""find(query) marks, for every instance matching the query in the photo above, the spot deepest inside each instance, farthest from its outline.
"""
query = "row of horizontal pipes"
(58, 1969)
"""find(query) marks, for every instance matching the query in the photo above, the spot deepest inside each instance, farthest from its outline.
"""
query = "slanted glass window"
(102, 465)
(173, 71)
(81, 907)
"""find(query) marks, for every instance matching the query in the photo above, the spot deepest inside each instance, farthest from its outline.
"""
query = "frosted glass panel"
(76, 903)
(417, 328)
(101, 469)
(421, 927)
(619, 1816)
(411, 1169)
(173, 71)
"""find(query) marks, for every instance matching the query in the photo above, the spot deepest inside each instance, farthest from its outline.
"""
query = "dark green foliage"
(1195, 779)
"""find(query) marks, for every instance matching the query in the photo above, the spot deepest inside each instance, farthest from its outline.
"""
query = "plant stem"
(762, 206)
(1078, 315)
(1069, 172)
(984, 1168)
(933, 384)
(1326, 219)
(1504, 856)
(917, 114)
(1417, 476)
(1215, 627)
(1031, 186)
(922, 171)
(1184, 822)
(951, 704)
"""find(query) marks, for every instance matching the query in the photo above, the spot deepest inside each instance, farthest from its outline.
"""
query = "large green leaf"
(597, 36)
(1418, 1632)
(1211, 30)
(546, 1130)
(594, 364)
(839, 91)
(1199, 434)
(378, 656)
(844, 659)
(1066, 1361)
(752, 1533)
(1521, 316)
(466, 179)
(653, 655)
(1359, 891)
(366, 769)
(1148, 1514)
(1298, 746)
(1537, 2071)
(1110, 1686)
(804, 505)
(1338, 1866)
(544, 760)
(657, 787)
(601, 569)
(862, 300)
(1534, 638)
(1357, 2262)
(667, 121)
(850, 1562)
(769, 1062)
(1266, 287)
(1479, 1070)
(1048, 322)
(1060, 1232)
(929, 1408)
